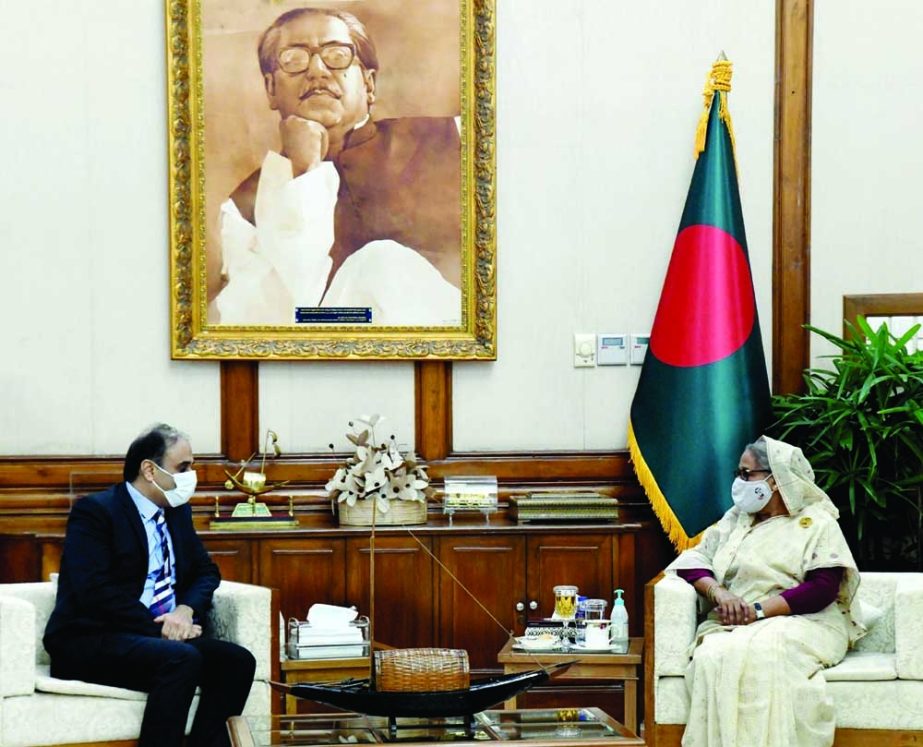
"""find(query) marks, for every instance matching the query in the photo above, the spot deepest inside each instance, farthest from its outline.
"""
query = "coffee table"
(562, 727)
(589, 666)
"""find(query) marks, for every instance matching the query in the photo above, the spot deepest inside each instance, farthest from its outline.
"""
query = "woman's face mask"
(750, 496)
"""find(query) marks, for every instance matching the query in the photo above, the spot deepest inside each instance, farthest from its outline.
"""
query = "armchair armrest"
(17, 646)
(674, 625)
(243, 614)
(908, 626)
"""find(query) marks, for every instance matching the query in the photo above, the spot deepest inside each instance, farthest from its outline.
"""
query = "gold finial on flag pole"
(718, 82)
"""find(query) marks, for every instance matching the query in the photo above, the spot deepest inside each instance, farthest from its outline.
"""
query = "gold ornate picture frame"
(320, 171)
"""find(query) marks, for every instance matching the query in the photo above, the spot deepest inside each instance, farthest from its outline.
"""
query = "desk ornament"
(470, 493)
(251, 514)
(377, 483)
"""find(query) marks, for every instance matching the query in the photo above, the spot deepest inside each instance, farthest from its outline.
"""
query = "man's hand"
(178, 625)
(304, 143)
(732, 610)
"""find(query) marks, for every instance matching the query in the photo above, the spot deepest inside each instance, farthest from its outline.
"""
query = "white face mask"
(185, 486)
(750, 496)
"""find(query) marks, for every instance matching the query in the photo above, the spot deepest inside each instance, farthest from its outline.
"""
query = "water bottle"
(618, 631)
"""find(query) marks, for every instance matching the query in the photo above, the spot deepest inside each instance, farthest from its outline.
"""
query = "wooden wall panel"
(791, 219)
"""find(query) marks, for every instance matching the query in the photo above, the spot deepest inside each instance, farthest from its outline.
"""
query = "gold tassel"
(681, 541)
(718, 82)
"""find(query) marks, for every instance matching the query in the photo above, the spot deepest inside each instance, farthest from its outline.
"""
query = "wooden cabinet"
(234, 558)
(479, 604)
(584, 560)
(506, 579)
(404, 610)
(304, 570)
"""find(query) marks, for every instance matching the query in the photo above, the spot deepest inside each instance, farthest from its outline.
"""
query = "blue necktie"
(164, 600)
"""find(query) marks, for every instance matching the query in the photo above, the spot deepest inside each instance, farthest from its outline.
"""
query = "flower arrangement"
(377, 471)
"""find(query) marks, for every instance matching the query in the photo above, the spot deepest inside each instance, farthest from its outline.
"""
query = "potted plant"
(860, 423)
(377, 484)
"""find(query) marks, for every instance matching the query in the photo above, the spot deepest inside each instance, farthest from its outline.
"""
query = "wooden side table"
(320, 670)
(620, 667)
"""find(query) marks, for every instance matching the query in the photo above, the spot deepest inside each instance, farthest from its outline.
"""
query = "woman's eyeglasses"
(744, 474)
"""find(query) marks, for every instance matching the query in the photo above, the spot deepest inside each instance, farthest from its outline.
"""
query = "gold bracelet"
(712, 590)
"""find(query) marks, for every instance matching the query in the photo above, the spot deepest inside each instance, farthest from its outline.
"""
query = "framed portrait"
(332, 179)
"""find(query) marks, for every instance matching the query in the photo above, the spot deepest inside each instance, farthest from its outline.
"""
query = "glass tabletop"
(556, 727)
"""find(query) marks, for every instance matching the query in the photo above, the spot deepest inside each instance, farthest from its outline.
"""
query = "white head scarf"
(795, 478)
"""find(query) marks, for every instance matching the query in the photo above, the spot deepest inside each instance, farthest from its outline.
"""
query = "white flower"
(377, 472)
(375, 479)
(407, 488)
(391, 458)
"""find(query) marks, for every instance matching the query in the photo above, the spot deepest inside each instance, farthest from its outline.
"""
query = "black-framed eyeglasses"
(335, 55)
(744, 474)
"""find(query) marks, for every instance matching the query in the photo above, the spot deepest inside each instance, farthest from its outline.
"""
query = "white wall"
(867, 157)
(84, 313)
(597, 105)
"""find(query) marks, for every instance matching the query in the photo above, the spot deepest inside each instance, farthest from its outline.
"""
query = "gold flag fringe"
(681, 541)
(717, 83)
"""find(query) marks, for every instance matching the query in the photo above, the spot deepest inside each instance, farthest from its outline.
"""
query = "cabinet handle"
(533, 605)
(520, 607)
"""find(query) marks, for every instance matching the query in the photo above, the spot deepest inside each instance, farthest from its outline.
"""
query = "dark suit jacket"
(104, 566)
(400, 179)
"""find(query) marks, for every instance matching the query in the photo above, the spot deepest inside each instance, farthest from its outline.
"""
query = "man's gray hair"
(269, 41)
(760, 453)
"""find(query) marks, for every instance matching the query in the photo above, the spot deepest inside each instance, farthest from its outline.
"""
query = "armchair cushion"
(45, 683)
(908, 626)
(863, 666)
(17, 647)
(675, 616)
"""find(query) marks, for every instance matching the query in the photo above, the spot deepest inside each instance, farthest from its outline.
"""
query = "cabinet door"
(584, 560)
(404, 607)
(233, 558)
(304, 571)
(493, 571)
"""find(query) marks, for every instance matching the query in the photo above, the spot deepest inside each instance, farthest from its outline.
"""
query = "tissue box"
(346, 641)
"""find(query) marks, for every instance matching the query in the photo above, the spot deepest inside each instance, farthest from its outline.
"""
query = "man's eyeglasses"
(744, 474)
(336, 56)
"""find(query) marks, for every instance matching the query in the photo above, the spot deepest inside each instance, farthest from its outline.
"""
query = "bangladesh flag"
(703, 392)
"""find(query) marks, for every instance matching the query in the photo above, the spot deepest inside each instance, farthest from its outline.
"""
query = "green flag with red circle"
(703, 392)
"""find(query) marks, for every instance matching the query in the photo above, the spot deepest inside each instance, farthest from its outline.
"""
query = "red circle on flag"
(706, 311)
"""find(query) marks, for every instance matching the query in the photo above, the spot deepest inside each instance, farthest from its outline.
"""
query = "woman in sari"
(781, 582)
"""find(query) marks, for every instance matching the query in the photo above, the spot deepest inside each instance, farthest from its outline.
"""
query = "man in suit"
(133, 592)
(352, 211)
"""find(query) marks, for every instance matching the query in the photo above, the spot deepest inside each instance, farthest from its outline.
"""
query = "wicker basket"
(421, 670)
(399, 512)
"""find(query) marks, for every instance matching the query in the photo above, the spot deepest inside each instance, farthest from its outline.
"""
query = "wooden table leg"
(631, 705)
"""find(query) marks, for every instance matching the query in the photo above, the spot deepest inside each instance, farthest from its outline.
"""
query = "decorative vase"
(399, 512)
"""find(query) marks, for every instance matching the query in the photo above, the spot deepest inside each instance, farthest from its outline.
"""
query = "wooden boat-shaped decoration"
(361, 697)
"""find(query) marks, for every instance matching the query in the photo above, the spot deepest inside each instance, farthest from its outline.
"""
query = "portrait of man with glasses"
(350, 211)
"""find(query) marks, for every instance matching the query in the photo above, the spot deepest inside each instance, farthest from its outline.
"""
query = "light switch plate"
(584, 350)
(638, 348)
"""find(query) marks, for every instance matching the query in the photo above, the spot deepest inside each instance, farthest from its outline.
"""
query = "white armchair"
(877, 689)
(37, 709)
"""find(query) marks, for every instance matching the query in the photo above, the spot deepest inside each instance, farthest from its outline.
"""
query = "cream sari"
(761, 685)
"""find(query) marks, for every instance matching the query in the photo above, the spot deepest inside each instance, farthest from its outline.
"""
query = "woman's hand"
(731, 609)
